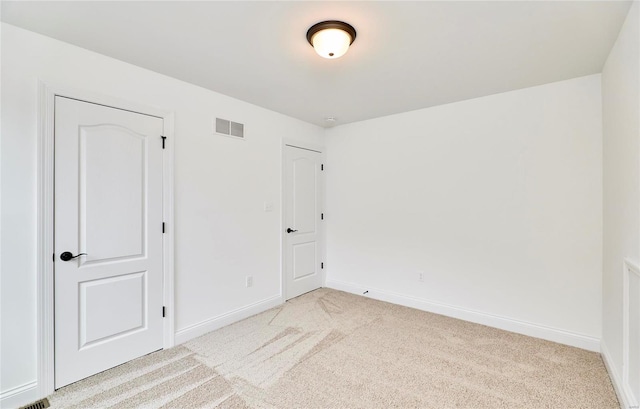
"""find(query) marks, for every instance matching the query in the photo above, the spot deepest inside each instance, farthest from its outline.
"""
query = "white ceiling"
(407, 55)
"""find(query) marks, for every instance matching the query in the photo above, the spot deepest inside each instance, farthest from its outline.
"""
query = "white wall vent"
(229, 128)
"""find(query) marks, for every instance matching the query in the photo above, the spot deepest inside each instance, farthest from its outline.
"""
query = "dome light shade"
(331, 39)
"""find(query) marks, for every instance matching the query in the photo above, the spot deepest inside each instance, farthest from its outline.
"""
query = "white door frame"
(283, 221)
(629, 268)
(45, 268)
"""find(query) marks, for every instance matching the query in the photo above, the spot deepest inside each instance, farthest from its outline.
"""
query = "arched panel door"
(108, 238)
(303, 216)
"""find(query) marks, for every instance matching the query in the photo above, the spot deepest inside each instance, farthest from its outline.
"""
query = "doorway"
(122, 303)
(303, 217)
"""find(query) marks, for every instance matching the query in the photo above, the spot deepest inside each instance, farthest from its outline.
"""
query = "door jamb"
(283, 210)
(47, 92)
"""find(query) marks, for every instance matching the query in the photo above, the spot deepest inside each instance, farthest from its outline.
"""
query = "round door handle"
(66, 256)
(290, 230)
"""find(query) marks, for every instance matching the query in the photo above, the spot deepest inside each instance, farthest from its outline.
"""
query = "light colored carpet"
(330, 349)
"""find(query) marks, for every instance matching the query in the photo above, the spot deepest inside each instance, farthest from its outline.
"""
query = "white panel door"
(302, 219)
(108, 207)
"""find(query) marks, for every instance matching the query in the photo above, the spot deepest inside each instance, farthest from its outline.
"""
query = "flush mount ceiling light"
(331, 39)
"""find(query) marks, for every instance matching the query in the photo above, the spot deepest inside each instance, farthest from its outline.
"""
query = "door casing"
(45, 219)
(283, 221)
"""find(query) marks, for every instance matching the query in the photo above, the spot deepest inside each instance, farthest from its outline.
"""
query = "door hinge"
(321, 265)
(164, 138)
(54, 257)
(164, 311)
(321, 216)
(163, 227)
(322, 166)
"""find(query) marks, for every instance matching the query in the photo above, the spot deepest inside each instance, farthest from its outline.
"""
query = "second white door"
(108, 238)
(303, 215)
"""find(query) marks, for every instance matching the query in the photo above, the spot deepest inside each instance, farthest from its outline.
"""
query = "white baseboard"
(19, 396)
(615, 376)
(212, 324)
(496, 321)
(28, 393)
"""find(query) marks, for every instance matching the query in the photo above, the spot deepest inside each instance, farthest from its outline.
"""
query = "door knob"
(66, 256)
(290, 230)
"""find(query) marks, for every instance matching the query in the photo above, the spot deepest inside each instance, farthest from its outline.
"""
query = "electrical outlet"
(421, 276)
(249, 281)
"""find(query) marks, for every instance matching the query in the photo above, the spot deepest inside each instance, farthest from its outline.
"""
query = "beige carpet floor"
(330, 349)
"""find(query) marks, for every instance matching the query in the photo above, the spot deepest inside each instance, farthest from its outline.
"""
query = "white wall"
(222, 233)
(496, 200)
(621, 174)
